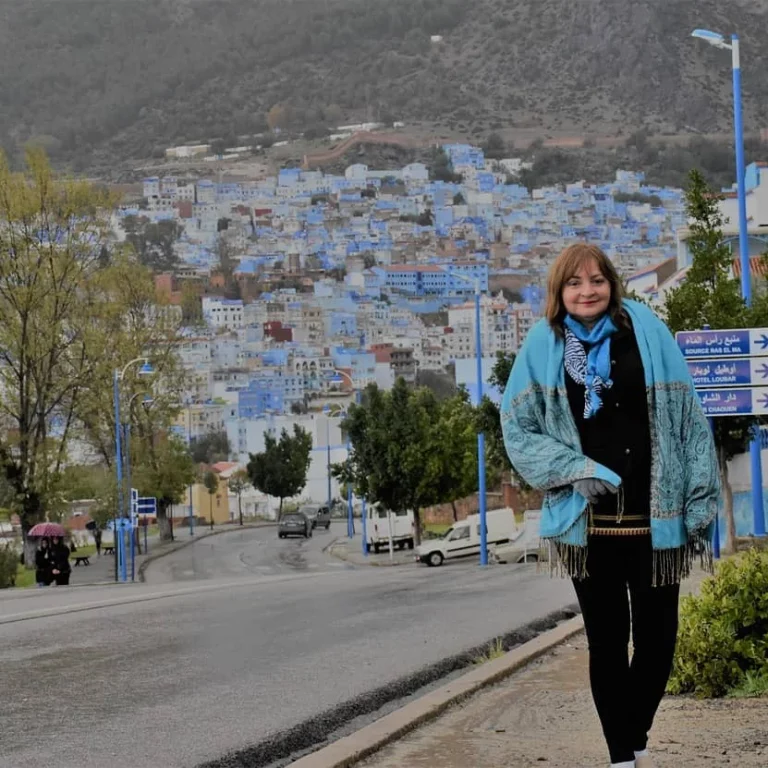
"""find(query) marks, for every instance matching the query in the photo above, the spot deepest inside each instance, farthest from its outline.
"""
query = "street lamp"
(718, 41)
(145, 370)
(339, 376)
(350, 512)
(480, 436)
(146, 402)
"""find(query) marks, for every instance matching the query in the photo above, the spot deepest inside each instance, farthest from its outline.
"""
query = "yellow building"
(206, 505)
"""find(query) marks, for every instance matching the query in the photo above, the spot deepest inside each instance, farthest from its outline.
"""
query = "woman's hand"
(592, 488)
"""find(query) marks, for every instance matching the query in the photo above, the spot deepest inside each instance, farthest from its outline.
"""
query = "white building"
(247, 436)
(223, 313)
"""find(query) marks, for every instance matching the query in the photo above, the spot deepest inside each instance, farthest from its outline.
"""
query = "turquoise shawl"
(543, 444)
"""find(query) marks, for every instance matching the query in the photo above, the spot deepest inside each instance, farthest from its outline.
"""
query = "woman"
(43, 576)
(60, 561)
(600, 413)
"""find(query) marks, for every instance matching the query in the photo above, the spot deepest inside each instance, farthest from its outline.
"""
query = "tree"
(210, 448)
(51, 233)
(238, 484)
(454, 460)
(392, 439)
(211, 483)
(277, 117)
(227, 265)
(426, 218)
(281, 469)
(154, 242)
(489, 422)
(164, 470)
(494, 147)
(441, 168)
(191, 306)
(711, 296)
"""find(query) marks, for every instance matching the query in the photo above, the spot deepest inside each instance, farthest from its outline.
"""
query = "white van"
(463, 538)
(381, 523)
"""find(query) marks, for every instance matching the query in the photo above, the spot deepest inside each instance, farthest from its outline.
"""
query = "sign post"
(729, 369)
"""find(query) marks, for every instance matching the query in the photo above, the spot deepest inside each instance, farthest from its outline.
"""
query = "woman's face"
(56, 539)
(586, 294)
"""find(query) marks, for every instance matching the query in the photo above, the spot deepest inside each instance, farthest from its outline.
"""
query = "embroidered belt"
(618, 531)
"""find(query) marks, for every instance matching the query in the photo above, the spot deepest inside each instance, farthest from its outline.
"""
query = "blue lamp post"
(350, 511)
(481, 435)
(718, 41)
(146, 402)
(145, 370)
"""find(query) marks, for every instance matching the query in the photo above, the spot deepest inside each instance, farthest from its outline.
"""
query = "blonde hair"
(566, 265)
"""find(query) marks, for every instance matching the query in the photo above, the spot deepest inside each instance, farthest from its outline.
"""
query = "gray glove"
(592, 488)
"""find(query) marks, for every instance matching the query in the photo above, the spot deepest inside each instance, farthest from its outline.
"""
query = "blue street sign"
(728, 373)
(734, 402)
(146, 505)
(738, 342)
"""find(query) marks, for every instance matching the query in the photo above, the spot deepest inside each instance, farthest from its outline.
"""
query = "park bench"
(84, 559)
(109, 550)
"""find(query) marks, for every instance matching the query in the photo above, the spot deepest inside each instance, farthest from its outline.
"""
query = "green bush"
(723, 635)
(9, 561)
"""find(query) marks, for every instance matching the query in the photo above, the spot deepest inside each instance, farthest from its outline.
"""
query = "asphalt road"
(244, 636)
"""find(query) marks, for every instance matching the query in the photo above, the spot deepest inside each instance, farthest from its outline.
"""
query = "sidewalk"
(544, 716)
(351, 551)
(102, 569)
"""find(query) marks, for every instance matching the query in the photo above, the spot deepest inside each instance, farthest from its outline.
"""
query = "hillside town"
(306, 287)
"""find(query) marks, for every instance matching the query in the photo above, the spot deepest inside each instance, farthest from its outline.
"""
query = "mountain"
(98, 80)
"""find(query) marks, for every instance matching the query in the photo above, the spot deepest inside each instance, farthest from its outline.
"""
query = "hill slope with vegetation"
(93, 81)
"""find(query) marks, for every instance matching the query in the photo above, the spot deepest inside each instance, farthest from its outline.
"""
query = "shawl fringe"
(670, 566)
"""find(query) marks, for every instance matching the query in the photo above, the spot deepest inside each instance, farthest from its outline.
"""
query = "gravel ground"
(544, 716)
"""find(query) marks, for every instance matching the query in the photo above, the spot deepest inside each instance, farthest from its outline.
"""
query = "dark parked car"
(294, 524)
(317, 515)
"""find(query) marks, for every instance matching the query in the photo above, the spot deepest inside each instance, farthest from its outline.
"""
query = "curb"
(148, 559)
(350, 750)
(372, 563)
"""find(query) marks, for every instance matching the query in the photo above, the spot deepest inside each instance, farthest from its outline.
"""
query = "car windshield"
(293, 518)
(308, 510)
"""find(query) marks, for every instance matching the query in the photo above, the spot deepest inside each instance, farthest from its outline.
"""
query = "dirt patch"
(544, 716)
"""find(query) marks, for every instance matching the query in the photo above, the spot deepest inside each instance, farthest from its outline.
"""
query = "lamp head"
(713, 38)
(146, 369)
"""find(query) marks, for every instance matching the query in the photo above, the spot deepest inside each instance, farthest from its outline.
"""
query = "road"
(257, 636)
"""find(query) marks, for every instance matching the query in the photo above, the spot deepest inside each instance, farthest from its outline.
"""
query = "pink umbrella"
(47, 529)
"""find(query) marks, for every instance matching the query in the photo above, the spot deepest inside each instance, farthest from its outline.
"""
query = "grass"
(84, 551)
(25, 577)
(754, 686)
(436, 530)
(495, 651)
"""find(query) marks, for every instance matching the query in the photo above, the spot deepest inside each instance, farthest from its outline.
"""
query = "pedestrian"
(600, 413)
(97, 540)
(60, 562)
(43, 564)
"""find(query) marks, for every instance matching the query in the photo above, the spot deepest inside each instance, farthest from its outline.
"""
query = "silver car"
(317, 515)
(294, 524)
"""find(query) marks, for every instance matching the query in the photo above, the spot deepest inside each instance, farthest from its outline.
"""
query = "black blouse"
(618, 436)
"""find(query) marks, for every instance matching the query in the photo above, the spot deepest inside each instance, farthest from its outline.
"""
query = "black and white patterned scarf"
(576, 368)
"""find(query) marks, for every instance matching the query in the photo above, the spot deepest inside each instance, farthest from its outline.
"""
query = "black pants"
(627, 694)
